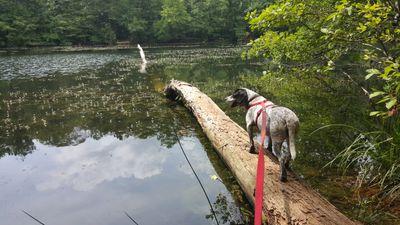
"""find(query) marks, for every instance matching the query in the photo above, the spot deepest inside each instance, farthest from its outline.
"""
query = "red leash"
(260, 166)
(260, 171)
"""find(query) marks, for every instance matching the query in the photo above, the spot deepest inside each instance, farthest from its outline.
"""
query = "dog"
(282, 125)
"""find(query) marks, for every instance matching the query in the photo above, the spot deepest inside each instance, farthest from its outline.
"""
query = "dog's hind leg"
(287, 156)
(281, 157)
(283, 176)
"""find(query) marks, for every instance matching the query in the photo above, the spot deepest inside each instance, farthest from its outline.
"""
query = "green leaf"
(376, 93)
(374, 113)
(215, 177)
(384, 99)
(391, 103)
(387, 71)
(361, 27)
(349, 10)
(371, 72)
(332, 16)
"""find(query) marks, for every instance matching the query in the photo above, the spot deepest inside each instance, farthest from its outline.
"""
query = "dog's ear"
(240, 96)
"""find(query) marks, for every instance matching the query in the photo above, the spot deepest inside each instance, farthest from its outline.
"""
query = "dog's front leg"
(250, 132)
(269, 147)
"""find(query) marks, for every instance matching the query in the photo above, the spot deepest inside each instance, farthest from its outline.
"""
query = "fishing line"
(195, 174)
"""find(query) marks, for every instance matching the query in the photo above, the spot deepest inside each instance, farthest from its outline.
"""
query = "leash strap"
(260, 169)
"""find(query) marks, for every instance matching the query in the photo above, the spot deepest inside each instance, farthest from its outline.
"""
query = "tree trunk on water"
(284, 203)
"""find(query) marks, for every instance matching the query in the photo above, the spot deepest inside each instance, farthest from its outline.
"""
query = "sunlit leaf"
(391, 103)
(376, 93)
(371, 72)
(374, 113)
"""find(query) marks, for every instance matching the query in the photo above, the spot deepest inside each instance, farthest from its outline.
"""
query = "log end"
(171, 89)
(171, 93)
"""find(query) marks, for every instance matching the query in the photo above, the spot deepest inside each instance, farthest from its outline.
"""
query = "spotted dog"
(282, 125)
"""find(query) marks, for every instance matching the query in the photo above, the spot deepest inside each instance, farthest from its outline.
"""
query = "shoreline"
(55, 49)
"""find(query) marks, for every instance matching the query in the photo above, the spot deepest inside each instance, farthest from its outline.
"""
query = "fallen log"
(284, 203)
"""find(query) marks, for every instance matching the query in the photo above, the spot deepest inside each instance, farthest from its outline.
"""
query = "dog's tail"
(292, 131)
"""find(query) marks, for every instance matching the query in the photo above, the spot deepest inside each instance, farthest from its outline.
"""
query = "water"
(86, 137)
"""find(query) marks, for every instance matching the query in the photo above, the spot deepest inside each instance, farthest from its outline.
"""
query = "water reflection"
(96, 181)
(114, 99)
(83, 145)
(143, 67)
(101, 160)
(47, 64)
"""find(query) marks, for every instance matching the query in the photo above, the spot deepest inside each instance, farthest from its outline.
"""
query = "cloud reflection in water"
(96, 181)
(84, 166)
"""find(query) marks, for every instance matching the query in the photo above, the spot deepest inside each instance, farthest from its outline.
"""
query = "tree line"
(104, 22)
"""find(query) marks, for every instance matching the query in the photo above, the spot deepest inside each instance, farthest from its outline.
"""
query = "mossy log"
(292, 202)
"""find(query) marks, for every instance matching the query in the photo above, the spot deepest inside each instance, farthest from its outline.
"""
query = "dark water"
(86, 137)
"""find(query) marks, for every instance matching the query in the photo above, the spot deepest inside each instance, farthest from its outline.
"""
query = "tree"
(356, 40)
(96, 22)
(293, 34)
(174, 20)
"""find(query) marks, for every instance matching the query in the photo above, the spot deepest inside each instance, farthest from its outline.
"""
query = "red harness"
(264, 105)
(260, 163)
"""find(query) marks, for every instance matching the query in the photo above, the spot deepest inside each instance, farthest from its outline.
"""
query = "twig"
(130, 218)
(32, 217)
(357, 83)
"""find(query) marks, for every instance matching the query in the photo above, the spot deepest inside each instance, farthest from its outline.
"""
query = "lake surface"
(86, 138)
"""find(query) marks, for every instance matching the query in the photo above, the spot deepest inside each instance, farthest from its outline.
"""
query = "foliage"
(377, 156)
(226, 211)
(322, 43)
(174, 21)
(373, 28)
(357, 40)
(95, 22)
(377, 159)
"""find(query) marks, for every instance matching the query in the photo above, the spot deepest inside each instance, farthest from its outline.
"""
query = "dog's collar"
(254, 97)
(264, 103)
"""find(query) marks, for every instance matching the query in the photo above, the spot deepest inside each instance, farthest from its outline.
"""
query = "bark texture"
(284, 203)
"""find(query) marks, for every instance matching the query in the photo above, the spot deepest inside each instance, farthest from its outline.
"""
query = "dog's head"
(241, 97)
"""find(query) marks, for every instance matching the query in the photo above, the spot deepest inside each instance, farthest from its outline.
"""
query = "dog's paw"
(288, 167)
(283, 178)
(252, 150)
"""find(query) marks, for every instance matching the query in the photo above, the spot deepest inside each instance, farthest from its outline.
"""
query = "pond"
(86, 138)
